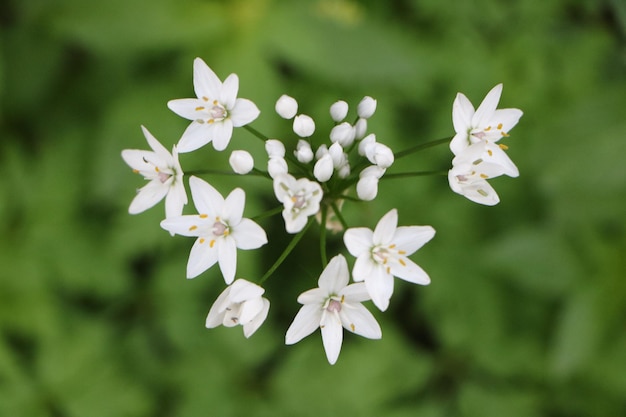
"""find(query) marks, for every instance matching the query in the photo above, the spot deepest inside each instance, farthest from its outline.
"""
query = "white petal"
(411, 238)
(136, 159)
(380, 287)
(221, 132)
(459, 142)
(244, 112)
(195, 136)
(508, 118)
(305, 323)
(410, 272)
(205, 82)
(335, 276)
(187, 108)
(249, 235)
(485, 111)
(148, 196)
(227, 257)
(364, 267)
(216, 313)
(175, 201)
(313, 296)
(332, 337)
(359, 320)
(232, 210)
(462, 112)
(201, 258)
(355, 293)
(250, 309)
(155, 144)
(294, 222)
(386, 227)
(251, 327)
(358, 240)
(243, 290)
(228, 93)
(206, 198)
(187, 225)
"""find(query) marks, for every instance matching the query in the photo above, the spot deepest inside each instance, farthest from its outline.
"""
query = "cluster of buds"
(310, 182)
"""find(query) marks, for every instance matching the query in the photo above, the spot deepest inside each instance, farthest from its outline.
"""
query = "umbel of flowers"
(311, 184)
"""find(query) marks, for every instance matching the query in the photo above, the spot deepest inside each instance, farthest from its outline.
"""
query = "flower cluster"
(310, 182)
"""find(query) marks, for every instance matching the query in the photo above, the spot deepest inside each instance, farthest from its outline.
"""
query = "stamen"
(401, 262)
(488, 128)
(393, 245)
(210, 121)
(205, 98)
(212, 243)
(499, 126)
(200, 108)
(484, 176)
(401, 252)
(204, 216)
(490, 152)
(200, 121)
(201, 240)
(352, 326)
(504, 134)
(192, 228)
(135, 171)
(503, 147)
(482, 192)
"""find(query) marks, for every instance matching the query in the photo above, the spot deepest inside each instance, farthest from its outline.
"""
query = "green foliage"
(525, 314)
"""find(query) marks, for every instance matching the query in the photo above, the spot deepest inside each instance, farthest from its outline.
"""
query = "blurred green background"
(526, 313)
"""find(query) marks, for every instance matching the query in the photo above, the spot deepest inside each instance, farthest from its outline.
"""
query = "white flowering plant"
(311, 184)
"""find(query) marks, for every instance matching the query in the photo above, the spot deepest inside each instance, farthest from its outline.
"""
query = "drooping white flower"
(331, 306)
(383, 253)
(214, 112)
(165, 174)
(486, 123)
(366, 107)
(339, 110)
(241, 162)
(303, 126)
(303, 152)
(219, 227)
(239, 304)
(474, 166)
(286, 107)
(301, 199)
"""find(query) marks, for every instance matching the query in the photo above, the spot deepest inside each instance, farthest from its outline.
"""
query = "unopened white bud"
(303, 126)
(241, 162)
(380, 155)
(321, 151)
(366, 107)
(323, 168)
(360, 128)
(367, 141)
(339, 110)
(343, 133)
(336, 153)
(303, 152)
(276, 166)
(286, 107)
(367, 188)
(344, 170)
(274, 148)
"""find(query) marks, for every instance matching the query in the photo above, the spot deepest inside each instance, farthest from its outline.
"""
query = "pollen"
(210, 121)
(343, 297)
(484, 176)
(205, 98)
(215, 102)
(212, 243)
(200, 108)
(488, 128)
(201, 240)
(490, 152)
(192, 228)
(503, 147)
(156, 169)
(499, 126)
(392, 246)
(388, 270)
(352, 327)
(204, 216)
(402, 262)
(136, 171)
(401, 252)
(504, 134)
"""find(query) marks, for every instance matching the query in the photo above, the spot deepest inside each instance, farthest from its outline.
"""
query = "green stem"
(255, 132)
(286, 252)
(267, 213)
(339, 215)
(421, 146)
(323, 237)
(412, 174)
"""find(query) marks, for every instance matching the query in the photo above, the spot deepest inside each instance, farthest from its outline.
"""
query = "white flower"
(303, 126)
(473, 166)
(339, 110)
(379, 154)
(486, 123)
(301, 199)
(303, 152)
(333, 305)
(274, 148)
(215, 112)
(163, 171)
(343, 134)
(286, 107)
(241, 162)
(323, 168)
(382, 254)
(239, 304)
(367, 186)
(219, 227)
(366, 107)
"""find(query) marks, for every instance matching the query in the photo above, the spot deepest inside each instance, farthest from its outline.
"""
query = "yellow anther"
(199, 108)
(392, 246)
(205, 98)
(136, 171)
(489, 151)
(402, 252)
(352, 326)
(201, 240)
(200, 121)
(402, 262)
(226, 232)
(192, 228)
(215, 102)
(482, 192)
(343, 297)
(210, 121)
(499, 126)
(204, 216)
(488, 128)
(504, 134)
(212, 243)
(484, 176)
(156, 169)
(388, 270)
(503, 147)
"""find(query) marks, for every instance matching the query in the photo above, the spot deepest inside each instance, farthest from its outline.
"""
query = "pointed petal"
(205, 82)
(250, 309)
(136, 159)
(410, 272)
(364, 267)
(355, 293)
(216, 313)
(462, 112)
(253, 326)
(380, 287)
(195, 136)
(332, 337)
(487, 107)
(227, 257)
(244, 112)
(206, 198)
(359, 320)
(508, 118)
(335, 276)
(232, 210)
(358, 240)
(386, 227)
(190, 225)
(228, 93)
(201, 258)
(459, 143)
(242, 290)
(187, 108)
(410, 238)
(156, 145)
(305, 323)
(175, 201)
(249, 235)
(221, 134)
(313, 296)
(148, 196)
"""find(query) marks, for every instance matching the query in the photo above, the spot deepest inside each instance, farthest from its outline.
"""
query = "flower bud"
(380, 155)
(303, 152)
(303, 126)
(323, 168)
(274, 148)
(367, 141)
(241, 162)
(336, 153)
(366, 107)
(360, 128)
(343, 134)
(344, 170)
(286, 107)
(339, 110)
(367, 188)
(276, 166)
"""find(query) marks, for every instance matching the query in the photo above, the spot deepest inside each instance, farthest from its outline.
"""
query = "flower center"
(163, 177)
(380, 254)
(298, 200)
(334, 306)
(220, 229)
(218, 112)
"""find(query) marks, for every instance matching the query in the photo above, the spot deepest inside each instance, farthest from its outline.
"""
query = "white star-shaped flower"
(333, 305)
(486, 123)
(239, 304)
(382, 254)
(215, 112)
(219, 227)
(163, 171)
(301, 199)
